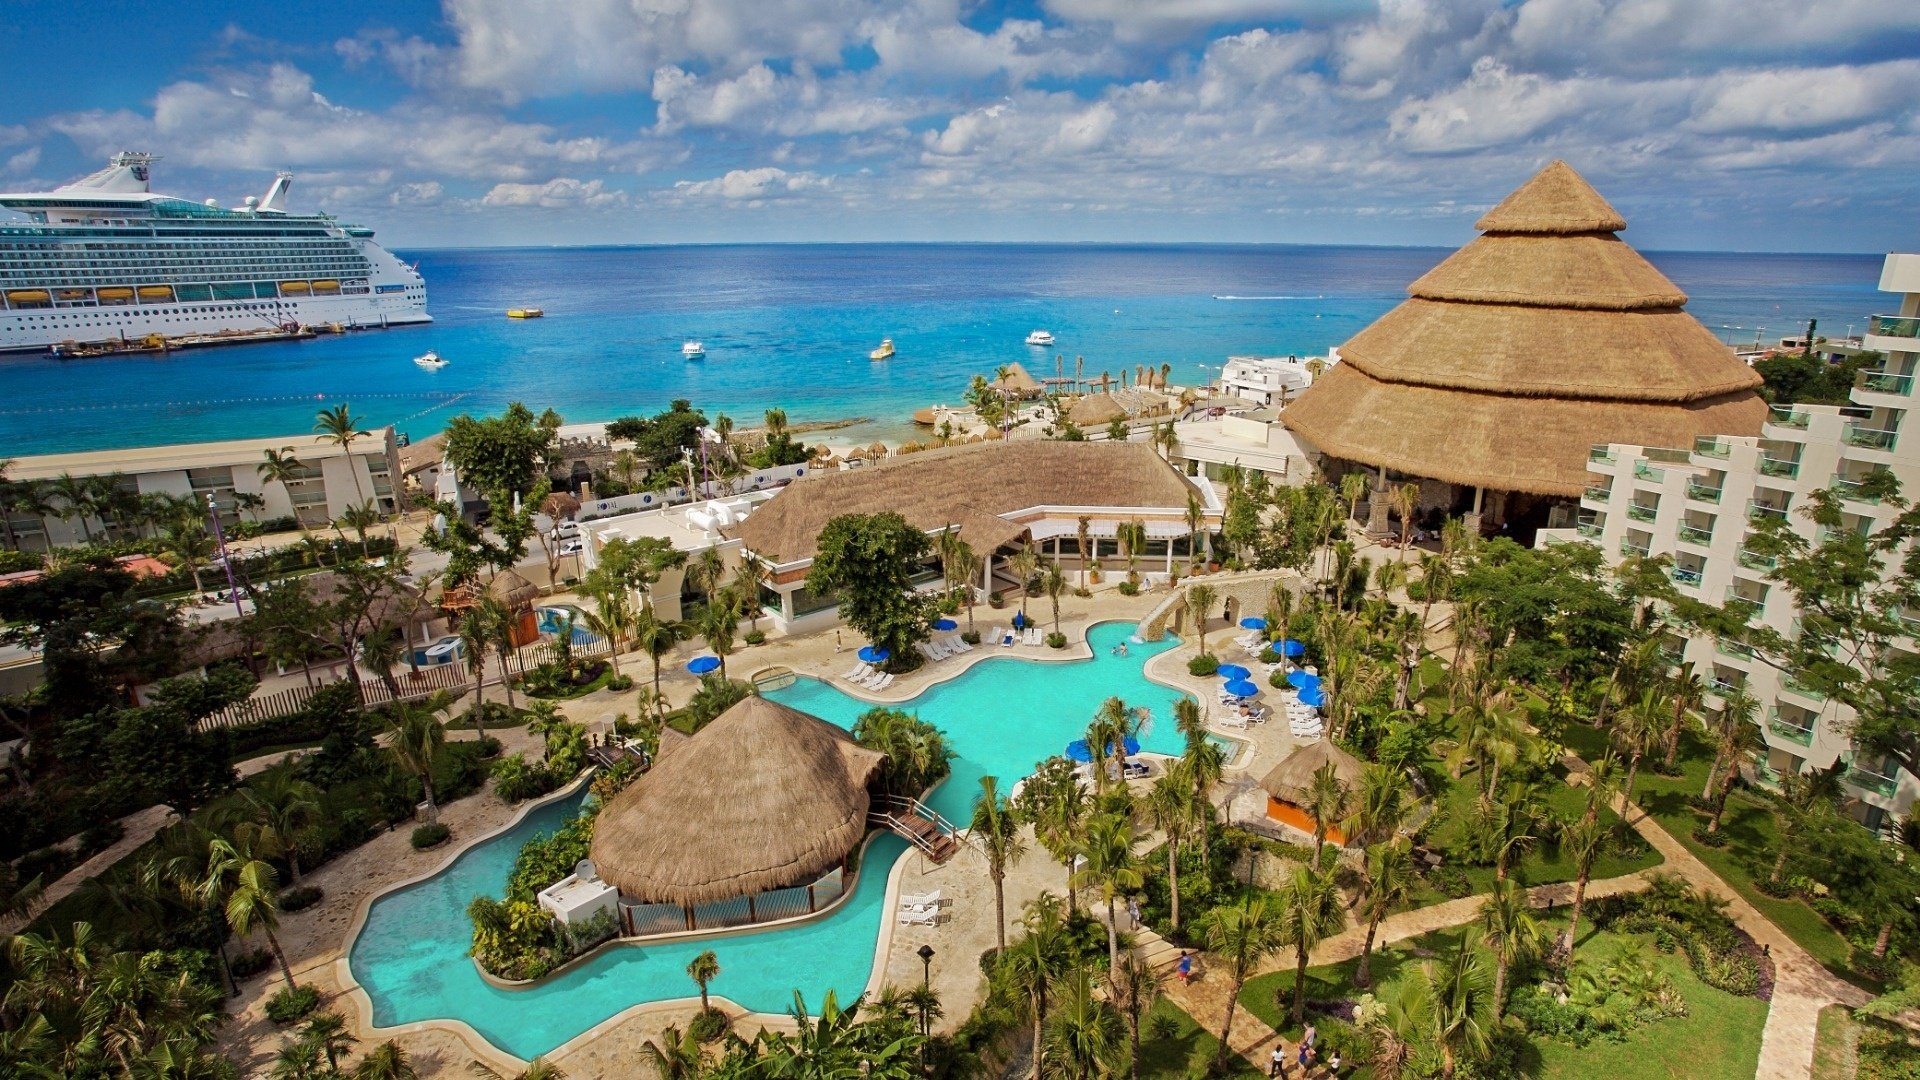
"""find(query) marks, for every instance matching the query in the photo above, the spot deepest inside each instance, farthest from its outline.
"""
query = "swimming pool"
(1003, 716)
(550, 619)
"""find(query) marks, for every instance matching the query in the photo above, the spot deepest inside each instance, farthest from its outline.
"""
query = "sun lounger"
(1033, 636)
(930, 917)
(921, 900)
(1008, 640)
(885, 680)
(998, 636)
(1232, 720)
(939, 649)
(875, 681)
(958, 644)
(1137, 769)
(855, 671)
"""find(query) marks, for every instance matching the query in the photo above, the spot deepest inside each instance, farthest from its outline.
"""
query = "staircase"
(918, 824)
(1160, 954)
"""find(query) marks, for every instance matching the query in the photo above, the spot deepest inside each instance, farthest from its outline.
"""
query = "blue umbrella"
(1291, 647)
(1233, 671)
(873, 654)
(1313, 696)
(1242, 688)
(1019, 620)
(1077, 750)
(700, 665)
(1253, 622)
(1300, 680)
(944, 624)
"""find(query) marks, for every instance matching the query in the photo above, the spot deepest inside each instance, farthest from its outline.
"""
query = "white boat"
(1041, 338)
(693, 350)
(431, 360)
(884, 352)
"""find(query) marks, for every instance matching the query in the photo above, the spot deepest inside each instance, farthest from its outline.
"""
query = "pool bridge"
(916, 823)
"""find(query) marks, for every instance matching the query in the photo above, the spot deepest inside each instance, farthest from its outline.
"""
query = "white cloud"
(766, 182)
(560, 193)
(421, 193)
(1807, 99)
(22, 163)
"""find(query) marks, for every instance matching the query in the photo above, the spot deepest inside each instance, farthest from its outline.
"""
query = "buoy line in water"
(275, 400)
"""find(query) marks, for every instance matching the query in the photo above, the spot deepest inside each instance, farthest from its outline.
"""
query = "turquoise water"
(551, 619)
(1004, 716)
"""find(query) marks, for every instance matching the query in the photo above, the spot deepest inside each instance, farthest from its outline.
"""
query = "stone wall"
(1241, 594)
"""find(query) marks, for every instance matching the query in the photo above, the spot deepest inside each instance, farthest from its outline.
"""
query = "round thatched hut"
(751, 819)
(1511, 359)
(1289, 784)
(1096, 410)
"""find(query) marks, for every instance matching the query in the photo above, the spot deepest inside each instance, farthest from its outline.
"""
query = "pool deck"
(317, 939)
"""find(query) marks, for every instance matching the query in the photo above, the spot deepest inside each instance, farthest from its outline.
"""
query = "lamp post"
(925, 953)
(226, 561)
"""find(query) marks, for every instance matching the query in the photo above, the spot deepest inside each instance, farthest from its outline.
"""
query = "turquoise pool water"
(1004, 717)
(551, 619)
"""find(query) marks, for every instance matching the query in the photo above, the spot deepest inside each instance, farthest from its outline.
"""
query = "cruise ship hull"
(40, 329)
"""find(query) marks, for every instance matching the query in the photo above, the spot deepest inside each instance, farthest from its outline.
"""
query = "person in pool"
(1120, 649)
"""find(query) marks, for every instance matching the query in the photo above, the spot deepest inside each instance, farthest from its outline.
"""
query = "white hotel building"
(1695, 505)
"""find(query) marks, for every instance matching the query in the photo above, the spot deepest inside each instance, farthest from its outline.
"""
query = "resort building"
(692, 528)
(1542, 337)
(1288, 787)
(1255, 441)
(326, 483)
(1272, 380)
(1696, 506)
(1000, 496)
(752, 819)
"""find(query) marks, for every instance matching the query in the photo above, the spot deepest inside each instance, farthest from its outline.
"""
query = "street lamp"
(925, 953)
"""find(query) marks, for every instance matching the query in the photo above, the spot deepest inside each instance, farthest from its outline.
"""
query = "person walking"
(1277, 1063)
(1133, 910)
(1305, 1057)
(1333, 1064)
(1310, 1037)
(1186, 968)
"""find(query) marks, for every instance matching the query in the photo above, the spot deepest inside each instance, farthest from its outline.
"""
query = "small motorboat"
(431, 360)
(524, 313)
(884, 352)
(693, 350)
(1041, 339)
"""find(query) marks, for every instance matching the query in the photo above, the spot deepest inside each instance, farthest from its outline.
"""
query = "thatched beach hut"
(1511, 359)
(1096, 411)
(1289, 785)
(741, 822)
(1017, 383)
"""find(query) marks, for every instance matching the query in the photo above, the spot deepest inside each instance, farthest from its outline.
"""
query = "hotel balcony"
(1787, 417)
(1789, 728)
(1743, 605)
(1773, 466)
(1755, 561)
(1700, 492)
(1694, 534)
(1628, 547)
(1868, 780)
(1758, 512)
(1642, 512)
(1734, 649)
(1867, 438)
(1795, 686)
(1590, 529)
(1597, 493)
(1644, 471)
(1880, 382)
(1903, 330)
(1601, 455)
(1684, 576)
(1711, 446)
(1853, 490)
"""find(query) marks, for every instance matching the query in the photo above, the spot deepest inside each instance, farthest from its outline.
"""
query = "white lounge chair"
(929, 917)
(922, 900)
(958, 644)
(1033, 636)
(855, 671)
(999, 635)
(886, 680)
(874, 680)
(1010, 639)
(1232, 720)
(938, 649)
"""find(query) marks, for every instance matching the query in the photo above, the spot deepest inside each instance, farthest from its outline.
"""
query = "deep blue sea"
(791, 325)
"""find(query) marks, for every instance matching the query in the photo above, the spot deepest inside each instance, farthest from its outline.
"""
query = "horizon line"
(641, 245)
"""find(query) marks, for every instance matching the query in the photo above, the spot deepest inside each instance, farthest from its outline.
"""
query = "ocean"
(791, 326)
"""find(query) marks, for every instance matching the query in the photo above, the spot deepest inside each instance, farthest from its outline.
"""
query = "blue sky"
(1712, 124)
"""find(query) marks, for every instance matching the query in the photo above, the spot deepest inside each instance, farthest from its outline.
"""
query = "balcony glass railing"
(1644, 471)
(1642, 512)
(1589, 530)
(1868, 780)
(1784, 416)
(1758, 512)
(1628, 547)
(1733, 648)
(1701, 492)
(1722, 686)
(1881, 382)
(1597, 493)
(1745, 607)
(1755, 561)
(1602, 455)
(1694, 534)
(1789, 729)
(1853, 490)
(1685, 576)
(1906, 326)
(1709, 446)
(1798, 687)
(1868, 438)
(1773, 466)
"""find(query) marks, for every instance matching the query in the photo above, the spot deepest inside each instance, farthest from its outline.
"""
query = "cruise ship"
(104, 258)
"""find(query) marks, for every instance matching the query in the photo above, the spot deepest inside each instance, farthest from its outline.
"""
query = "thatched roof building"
(1018, 382)
(969, 487)
(1292, 779)
(764, 797)
(1544, 336)
(1096, 410)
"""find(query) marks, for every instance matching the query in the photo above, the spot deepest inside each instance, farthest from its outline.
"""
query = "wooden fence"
(428, 680)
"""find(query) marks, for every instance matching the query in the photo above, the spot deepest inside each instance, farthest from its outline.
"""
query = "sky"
(1747, 125)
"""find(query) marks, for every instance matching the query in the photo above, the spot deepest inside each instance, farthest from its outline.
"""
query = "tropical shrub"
(709, 1025)
(301, 898)
(1604, 1000)
(1449, 881)
(288, 1006)
(515, 779)
(249, 963)
(430, 835)
(754, 637)
(918, 755)
(971, 637)
(1203, 666)
(1129, 588)
(1056, 640)
(620, 684)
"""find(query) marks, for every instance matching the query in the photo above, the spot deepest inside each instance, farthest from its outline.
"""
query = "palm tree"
(966, 564)
(1740, 741)
(675, 1055)
(1057, 804)
(1449, 1004)
(1053, 581)
(1132, 536)
(76, 499)
(1511, 932)
(706, 571)
(1083, 535)
(1310, 911)
(1197, 536)
(1328, 802)
(1024, 563)
(477, 635)
(1381, 807)
(996, 830)
(1405, 498)
(1389, 883)
(188, 541)
(1172, 810)
(1165, 439)
(251, 889)
(500, 627)
(1199, 601)
(360, 519)
(281, 815)
(328, 1033)
(337, 426)
(1353, 487)
(381, 651)
(612, 619)
(388, 1061)
(1581, 841)
(1241, 934)
(418, 736)
(1686, 691)
(1634, 732)
(656, 637)
(1138, 987)
(703, 969)
(537, 1069)
(1084, 1032)
(1110, 869)
(717, 626)
(281, 467)
(1036, 961)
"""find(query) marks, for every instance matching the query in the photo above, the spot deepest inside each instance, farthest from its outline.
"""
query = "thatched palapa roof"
(1096, 410)
(969, 487)
(1520, 351)
(1292, 779)
(1018, 382)
(764, 797)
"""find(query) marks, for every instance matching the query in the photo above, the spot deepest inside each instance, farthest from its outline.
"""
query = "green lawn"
(1833, 1045)
(1543, 865)
(1167, 1058)
(1752, 844)
(1719, 1039)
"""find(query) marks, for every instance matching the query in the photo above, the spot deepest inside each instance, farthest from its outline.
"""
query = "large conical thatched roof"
(1096, 409)
(1292, 779)
(764, 797)
(1019, 382)
(1514, 356)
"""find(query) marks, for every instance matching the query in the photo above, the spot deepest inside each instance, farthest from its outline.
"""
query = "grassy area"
(1543, 865)
(1833, 1044)
(1168, 1057)
(1719, 1038)
(1752, 843)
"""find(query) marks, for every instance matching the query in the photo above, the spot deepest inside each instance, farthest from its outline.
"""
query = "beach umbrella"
(873, 654)
(1019, 620)
(1242, 688)
(1291, 647)
(944, 624)
(1078, 750)
(700, 665)
(1313, 696)
(1253, 622)
(1233, 671)
(1300, 680)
